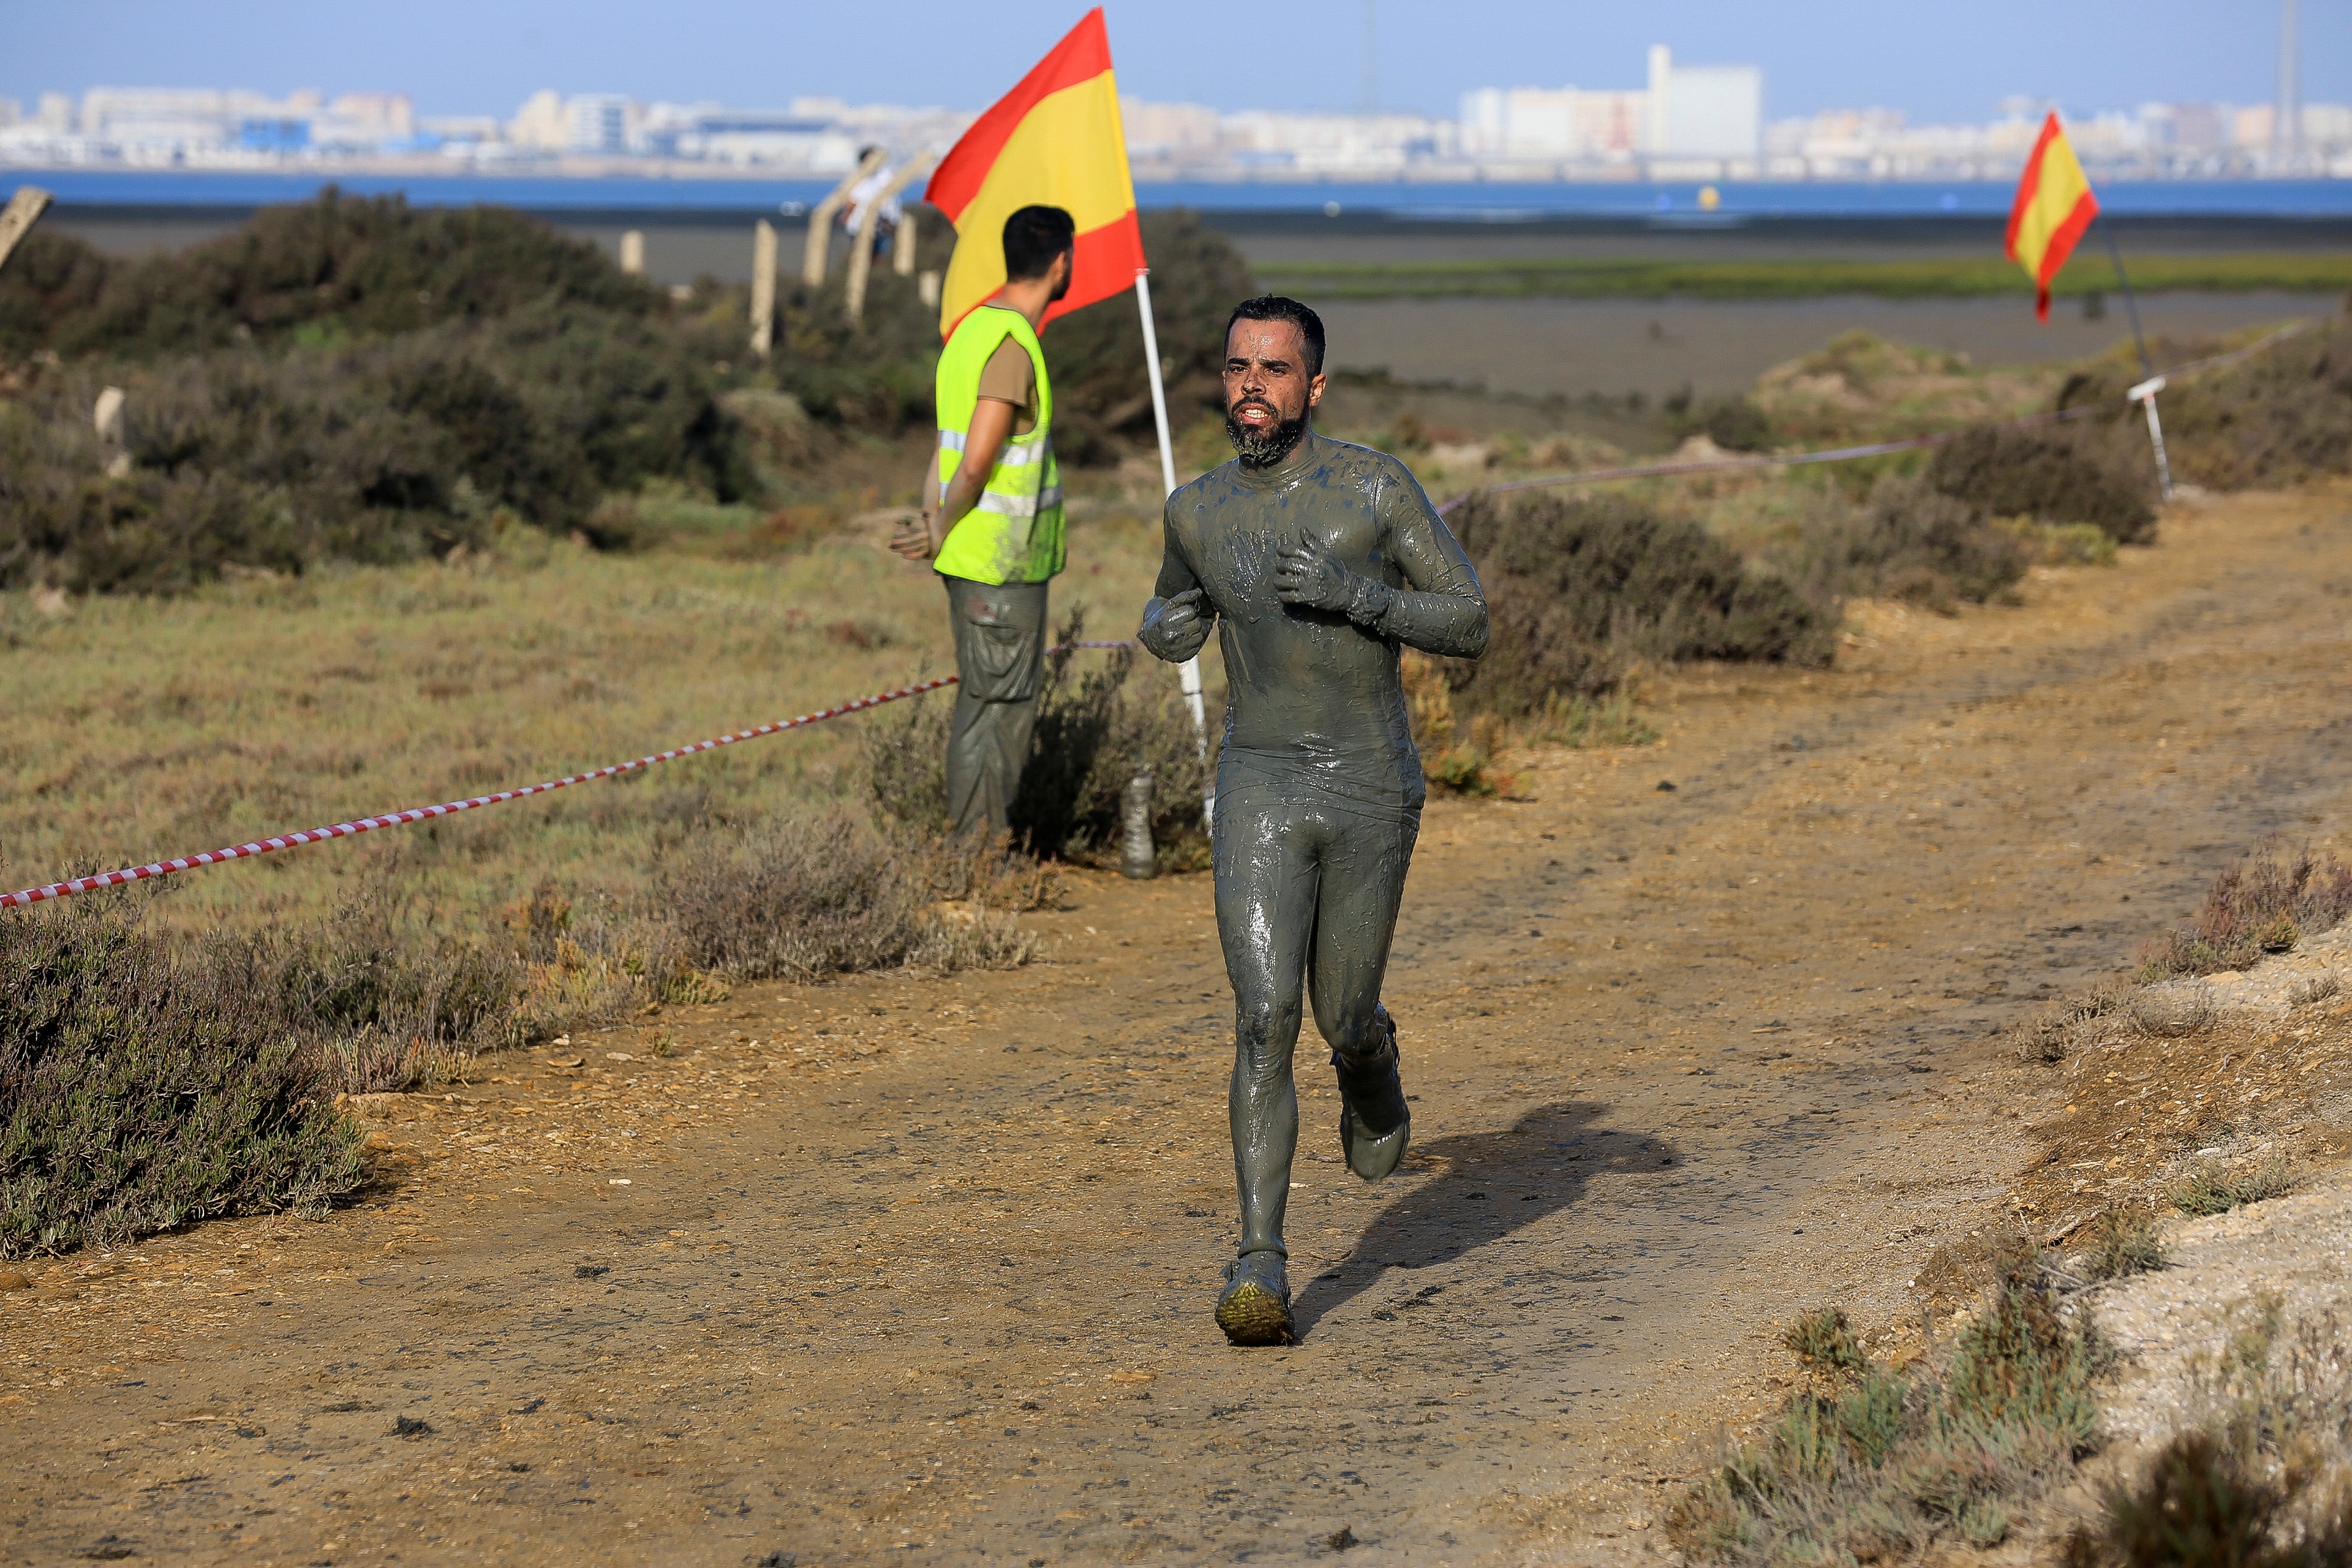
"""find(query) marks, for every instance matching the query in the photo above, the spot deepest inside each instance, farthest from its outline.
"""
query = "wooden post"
(902, 245)
(820, 219)
(861, 249)
(763, 288)
(24, 209)
(633, 251)
(106, 417)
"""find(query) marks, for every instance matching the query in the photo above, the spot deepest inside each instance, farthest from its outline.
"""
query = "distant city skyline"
(1929, 63)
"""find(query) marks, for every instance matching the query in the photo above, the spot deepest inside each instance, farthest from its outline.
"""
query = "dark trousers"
(1307, 890)
(1000, 644)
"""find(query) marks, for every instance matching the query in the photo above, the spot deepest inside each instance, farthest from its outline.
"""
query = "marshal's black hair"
(1033, 237)
(1282, 307)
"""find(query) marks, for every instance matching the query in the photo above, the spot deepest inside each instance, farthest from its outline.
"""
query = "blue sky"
(1935, 61)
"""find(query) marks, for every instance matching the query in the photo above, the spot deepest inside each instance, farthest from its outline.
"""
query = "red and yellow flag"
(2053, 206)
(1054, 140)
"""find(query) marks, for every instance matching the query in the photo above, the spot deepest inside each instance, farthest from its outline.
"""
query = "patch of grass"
(142, 1090)
(2210, 1187)
(2268, 903)
(1866, 1466)
(2124, 1243)
(1582, 589)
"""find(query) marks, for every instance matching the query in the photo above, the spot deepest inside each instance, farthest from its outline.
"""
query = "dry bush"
(2267, 903)
(1912, 542)
(141, 1089)
(795, 901)
(2259, 1477)
(1583, 589)
(2050, 474)
(1863, 1465)
(2074, 1025)
(2124, 1243)
(2210, 1187)
(2279, 417)
(1099, 720)
(2310, 992)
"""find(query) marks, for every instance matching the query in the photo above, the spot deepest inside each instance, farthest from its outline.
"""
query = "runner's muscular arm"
(1178, 618)
(1443, 611)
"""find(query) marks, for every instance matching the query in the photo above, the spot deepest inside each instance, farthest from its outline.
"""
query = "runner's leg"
(1266, 889)
(1364, 863)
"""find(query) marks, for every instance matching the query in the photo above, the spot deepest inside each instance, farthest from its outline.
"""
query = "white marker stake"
(2144, 394)
(1189, 672)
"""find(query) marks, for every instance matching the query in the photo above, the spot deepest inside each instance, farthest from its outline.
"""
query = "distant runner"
(1321, 559)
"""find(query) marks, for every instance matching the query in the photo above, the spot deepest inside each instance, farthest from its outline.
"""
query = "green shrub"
(2277, 417)
(2210, 1187)
(377, 451)
(1911, 542)
(1865, 1465)
(2053, 476)
(139, 1092)
(2125, 1243)
(340, 266)
(1580, 589)
(2021, 1364)
(1734, 424)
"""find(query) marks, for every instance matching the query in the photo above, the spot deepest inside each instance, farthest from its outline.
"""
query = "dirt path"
(924, 1267)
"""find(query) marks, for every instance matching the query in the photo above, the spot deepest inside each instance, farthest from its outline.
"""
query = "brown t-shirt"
(1009, 377)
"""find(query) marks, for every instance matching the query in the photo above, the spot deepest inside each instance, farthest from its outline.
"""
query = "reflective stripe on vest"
(1012, 456)
(1014, 533)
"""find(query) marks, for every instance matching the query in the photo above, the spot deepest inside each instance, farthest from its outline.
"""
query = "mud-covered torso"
(1312, 696)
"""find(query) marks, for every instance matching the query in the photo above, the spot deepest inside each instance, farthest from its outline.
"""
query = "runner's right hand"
(1174, 628)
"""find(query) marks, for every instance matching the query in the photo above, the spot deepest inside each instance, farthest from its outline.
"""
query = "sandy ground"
(907, 1267)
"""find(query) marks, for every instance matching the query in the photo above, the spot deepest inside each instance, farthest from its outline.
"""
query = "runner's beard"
(1265, 446)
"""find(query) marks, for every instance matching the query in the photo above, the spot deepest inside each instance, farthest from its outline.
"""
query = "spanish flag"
(1054, 140)
(2054, 205)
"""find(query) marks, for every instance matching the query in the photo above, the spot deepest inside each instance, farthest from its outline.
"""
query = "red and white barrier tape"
(449, 808)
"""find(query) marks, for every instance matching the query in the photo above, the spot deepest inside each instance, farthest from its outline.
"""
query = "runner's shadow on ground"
(1492, 1184)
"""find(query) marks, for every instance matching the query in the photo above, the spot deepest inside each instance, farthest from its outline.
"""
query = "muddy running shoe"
(1255, 1307)
(1374, 1125)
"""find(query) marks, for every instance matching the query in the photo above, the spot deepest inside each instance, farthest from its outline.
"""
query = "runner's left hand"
(1305, 574)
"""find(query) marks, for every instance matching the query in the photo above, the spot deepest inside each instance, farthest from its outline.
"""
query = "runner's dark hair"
(1033, 237)
(1282, 307)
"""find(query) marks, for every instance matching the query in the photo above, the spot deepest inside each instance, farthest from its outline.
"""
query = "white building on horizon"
(1705, 111)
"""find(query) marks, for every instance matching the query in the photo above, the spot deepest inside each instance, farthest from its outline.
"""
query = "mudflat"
(1702, 1034)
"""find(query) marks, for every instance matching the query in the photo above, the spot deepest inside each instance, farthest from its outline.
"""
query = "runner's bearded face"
(1268, 392)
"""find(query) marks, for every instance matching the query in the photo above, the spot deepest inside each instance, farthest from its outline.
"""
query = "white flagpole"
(1189, 672)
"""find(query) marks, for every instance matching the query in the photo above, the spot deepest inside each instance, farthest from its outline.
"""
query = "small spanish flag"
(1054, 140)
(2054, 205)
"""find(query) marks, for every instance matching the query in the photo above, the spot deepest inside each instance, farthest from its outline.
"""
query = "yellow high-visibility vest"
(1015, 534)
